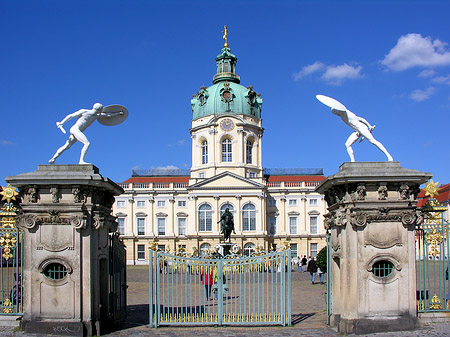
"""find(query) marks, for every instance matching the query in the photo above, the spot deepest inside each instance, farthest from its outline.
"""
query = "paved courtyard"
(308, 315)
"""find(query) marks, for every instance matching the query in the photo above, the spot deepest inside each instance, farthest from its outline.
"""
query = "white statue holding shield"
(109, 115)
(361, 127)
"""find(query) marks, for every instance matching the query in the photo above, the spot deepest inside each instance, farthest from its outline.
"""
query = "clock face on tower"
(227, 124)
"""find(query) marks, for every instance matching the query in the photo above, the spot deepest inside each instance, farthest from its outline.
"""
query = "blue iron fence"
(202, 291)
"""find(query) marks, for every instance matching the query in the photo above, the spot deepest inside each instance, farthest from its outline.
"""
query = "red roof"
(443, 196)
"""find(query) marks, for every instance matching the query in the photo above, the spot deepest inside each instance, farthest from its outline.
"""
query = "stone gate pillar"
(66, 217)
(371, 216)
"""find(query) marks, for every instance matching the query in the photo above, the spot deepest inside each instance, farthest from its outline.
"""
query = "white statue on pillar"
(110, 115)
(361, 127)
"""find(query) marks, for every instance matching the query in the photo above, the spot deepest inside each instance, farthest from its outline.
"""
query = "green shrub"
(321, 260)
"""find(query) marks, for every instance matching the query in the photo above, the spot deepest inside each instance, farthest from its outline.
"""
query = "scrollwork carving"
(360, 219)
(409, 218)
(79, 221)
(28, 221)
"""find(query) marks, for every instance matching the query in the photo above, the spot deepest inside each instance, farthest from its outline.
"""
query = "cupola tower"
(226, 124)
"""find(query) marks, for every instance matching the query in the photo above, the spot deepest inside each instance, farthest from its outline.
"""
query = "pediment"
(226, 180)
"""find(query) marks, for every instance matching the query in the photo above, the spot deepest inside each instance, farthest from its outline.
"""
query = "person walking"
(312, 269)
(208, 281)
(304, 261)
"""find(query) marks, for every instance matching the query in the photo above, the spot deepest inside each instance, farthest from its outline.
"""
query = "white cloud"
(6, 142)
(413, 50)
(336, 74)
(421, 95)
(306, 70)
(168, 167)
(427, 73)
(181, 142)
(442, 79)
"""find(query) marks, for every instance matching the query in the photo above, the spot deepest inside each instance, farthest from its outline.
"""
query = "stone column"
(372, 216)
(66, 218)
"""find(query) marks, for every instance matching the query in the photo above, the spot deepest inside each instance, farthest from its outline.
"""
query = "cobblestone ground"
(308, 315)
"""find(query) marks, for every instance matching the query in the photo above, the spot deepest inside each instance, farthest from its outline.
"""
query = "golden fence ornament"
(435, 303)
(434, 239)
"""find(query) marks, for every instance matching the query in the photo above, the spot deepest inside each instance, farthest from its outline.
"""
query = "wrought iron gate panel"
(117, 279)
(11, 252)
(244, 291)
(433, 260)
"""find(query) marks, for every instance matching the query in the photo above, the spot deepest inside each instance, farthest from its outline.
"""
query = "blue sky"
(387, 61)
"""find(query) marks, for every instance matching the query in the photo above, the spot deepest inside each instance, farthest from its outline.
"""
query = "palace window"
(161, 248)
(271, 201)
(294, 250)
(249, 217)
(249, 248)
(140, 226)
(225, 206)
(161, 203)
(141, 252)
(161, 226)
(313, 250)
(121, 204)
(226, 150)
(205, 152)
(205, 218)
(272, 225)
(292, 202)
(121, 225)
(313, 202)
(205, 248)
(313, 224)
(293, 224)
(181, 226)
(181, 203)
(249, 148)
(140, 204)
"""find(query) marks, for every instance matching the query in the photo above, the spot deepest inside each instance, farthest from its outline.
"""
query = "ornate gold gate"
(11, 289)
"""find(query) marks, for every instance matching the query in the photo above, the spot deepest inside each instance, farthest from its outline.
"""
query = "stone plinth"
(371, 216)
(66, 220)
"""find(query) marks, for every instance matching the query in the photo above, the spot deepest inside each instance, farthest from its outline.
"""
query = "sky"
(387, 61)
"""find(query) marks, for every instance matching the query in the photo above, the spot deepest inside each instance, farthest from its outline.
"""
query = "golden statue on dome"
(225, 36)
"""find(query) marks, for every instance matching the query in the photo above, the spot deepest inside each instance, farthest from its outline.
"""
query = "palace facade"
(181, 209)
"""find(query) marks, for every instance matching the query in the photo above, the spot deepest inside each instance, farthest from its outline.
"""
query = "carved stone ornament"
(55, 194)
(328, 221)
(359, 219)
(79, 221)
(382, 193)
(361, 192)
(404, 191)
(98, 221)
(26, 221)
(409, 218)
(79, 195)
(31, 195)
(341, 217)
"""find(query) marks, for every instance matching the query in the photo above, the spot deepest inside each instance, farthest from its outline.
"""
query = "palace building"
(181, 209)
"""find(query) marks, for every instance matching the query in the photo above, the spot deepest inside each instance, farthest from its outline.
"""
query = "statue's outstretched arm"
(110, 114)
(362, 120)
(70, 116)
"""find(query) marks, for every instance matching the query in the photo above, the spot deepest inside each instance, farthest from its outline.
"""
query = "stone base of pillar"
(367, 326)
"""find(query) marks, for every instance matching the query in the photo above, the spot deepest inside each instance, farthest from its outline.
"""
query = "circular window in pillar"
(55, 269)
(382, 268)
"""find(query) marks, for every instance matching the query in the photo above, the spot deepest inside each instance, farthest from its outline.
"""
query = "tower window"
(205, 218)
(249, 217)
(226, 150)
(205, 152)
(249, 148)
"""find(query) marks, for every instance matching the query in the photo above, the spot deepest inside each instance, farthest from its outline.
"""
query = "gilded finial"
(225, 36)
(431, 189)
(9, 193)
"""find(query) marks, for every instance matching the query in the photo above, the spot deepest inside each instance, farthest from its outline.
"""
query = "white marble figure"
(85, 118)
(361, 127)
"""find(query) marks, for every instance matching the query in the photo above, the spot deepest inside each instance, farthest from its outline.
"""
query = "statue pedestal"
(372, 216)
(66, 220)
(224, 248)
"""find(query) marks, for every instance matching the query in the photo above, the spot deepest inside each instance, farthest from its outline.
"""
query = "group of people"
(308, 265)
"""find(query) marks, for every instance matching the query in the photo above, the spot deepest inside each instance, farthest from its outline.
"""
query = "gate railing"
(204, 291)
(11, 252)
(117, 279)
(433, 260)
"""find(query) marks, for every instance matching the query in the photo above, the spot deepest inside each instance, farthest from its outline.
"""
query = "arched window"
(205, 218)
(205, 248)
(205, 152)
(249, 217)
(226, 150)
(249, 248)
(248, 151)
(225, 206)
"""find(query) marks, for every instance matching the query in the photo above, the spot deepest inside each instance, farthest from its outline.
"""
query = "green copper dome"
(226, 95)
